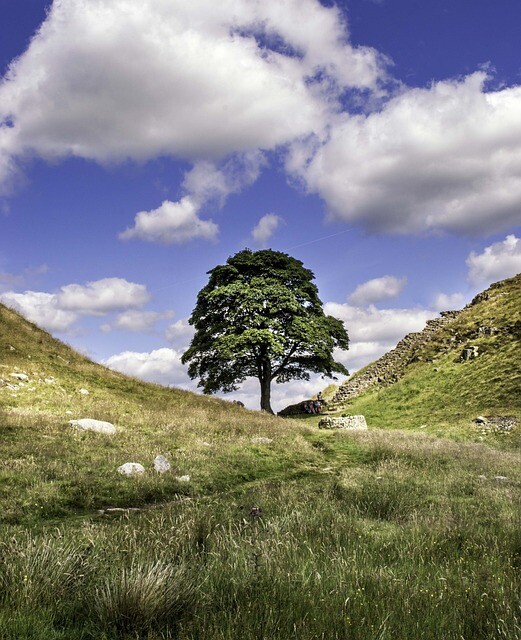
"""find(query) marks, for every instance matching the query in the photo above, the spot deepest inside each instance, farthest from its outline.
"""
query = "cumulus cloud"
(59, 311)
(102, 296)
(171, 223)
(180, 333)
(209, 181)
(373, 332)
(162, 366)
(444, 157)
(41, 308)
(445, 302)
(116, 79)
(137, 320)
(498, 261)
(265, 228)
(376, 290)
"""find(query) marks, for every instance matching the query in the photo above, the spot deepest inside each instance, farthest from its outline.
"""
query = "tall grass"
(392, 539)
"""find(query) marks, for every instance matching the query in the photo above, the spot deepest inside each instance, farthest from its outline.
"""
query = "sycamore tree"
(260, 316)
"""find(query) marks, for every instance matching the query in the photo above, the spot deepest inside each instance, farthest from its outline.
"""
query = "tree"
(260, 316)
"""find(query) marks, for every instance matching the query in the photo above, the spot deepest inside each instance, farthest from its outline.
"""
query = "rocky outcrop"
(391, 366)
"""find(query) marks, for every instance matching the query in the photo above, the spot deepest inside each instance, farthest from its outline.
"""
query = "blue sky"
(142, 143)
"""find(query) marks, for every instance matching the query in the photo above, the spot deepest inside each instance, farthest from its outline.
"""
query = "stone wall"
(391, 366)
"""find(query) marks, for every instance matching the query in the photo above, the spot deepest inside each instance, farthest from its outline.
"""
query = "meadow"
(283, 531)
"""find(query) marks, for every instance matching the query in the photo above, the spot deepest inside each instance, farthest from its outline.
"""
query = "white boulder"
(20, 376)
(88, 424)
(131, 469)
(161, 464)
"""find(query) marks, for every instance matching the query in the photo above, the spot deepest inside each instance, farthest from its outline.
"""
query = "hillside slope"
(49, 469)
(427, 380)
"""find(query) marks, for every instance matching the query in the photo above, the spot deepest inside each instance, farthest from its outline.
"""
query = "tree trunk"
(265, 384)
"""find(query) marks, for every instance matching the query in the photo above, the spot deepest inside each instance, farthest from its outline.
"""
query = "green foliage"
(260, 316)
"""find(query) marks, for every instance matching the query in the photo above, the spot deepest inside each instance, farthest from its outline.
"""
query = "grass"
(396, 537)
(380, 535)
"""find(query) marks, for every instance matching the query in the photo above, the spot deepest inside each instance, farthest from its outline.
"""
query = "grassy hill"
(282, 531)
(442, 394)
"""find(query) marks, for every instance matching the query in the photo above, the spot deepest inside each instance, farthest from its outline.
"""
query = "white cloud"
(208, 181)
(162, 366)
(445, 302)
(41, 308)
(445, 157)
(136, 320)
(171, 223)
(376, 290)
(116, 79)
(102, 296)
(498, 261)
(373, 332)
(180, 333)
(59, 311)
(265, 228)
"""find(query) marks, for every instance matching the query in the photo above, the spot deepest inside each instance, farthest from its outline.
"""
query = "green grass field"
(397, 533)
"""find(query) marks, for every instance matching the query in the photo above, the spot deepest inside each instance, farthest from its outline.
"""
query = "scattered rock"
(262, 440)
(88, 424)
(469, 353)
(84, 392)
(183, 478)
(20, 376)
(131, 469)
(345, 422)
(161, 464)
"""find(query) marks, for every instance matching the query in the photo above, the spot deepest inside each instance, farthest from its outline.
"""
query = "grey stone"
(131, 469)
(88, 424)
(84, 392)
(481, 420)
(262, 440)
(345, 422)
(183, 478)
(500, 478)
(161, 464)
(20, 376)
(469, 354)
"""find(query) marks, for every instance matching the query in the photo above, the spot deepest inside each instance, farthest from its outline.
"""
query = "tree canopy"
(260, 316)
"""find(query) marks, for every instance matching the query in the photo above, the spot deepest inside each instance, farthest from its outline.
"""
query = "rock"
(161, 464)
(345, 422)
(131, 469)
(262, 440)
(500, 478)
(20, 376)
(88, 424)
(84, 392)
(183, 478)
(117, 511)
(50, 381)
(469, 354)
(481, 420)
